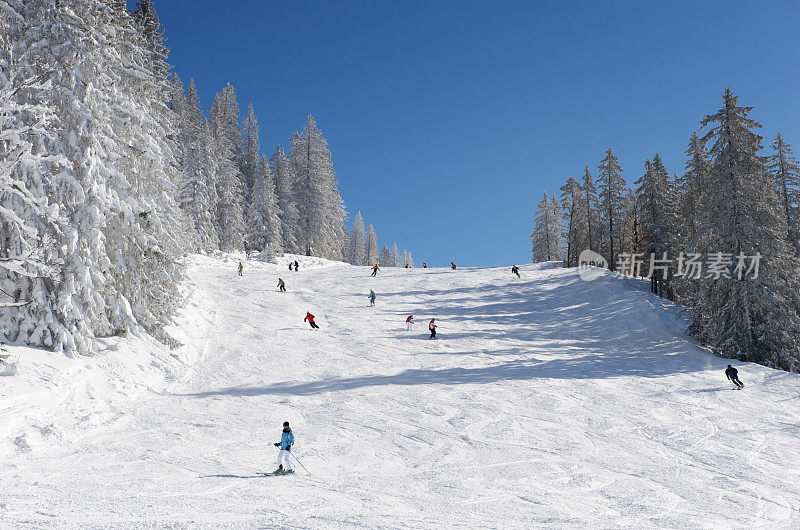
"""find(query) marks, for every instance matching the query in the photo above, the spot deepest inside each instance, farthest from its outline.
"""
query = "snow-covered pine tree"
(574, 231)
(409, 261)
(196, 194)
(690, 189)
(546, 235)
(386, 259)
(284, 179)
(611, 188)
(784, 168)
(320, 207)
(656, 202)
(230, 183)
(357, 246)
(396, 257)
(28, 225)
(251, 157)
(589, 211)
(372, 246)
(263, 221)
(751, 319)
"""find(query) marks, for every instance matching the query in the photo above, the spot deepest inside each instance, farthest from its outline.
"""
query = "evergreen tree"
(690, 189)
(229, 180)
(263, 221)
(320, 207)
(783, 166)
(589, 210)
(386, 258)
(751, 319)
(250, 157)
(611, 187)
(284, 179)
(372, 247)
(357, 247)
(396, 258)
(656, 200)
(546, 235)
(571, 203)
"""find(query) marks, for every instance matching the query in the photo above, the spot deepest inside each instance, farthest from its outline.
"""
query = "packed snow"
(545, 400)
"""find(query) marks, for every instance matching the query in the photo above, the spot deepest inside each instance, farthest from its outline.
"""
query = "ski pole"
(299, 462)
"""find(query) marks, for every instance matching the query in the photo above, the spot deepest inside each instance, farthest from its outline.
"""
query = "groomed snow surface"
(546, 401)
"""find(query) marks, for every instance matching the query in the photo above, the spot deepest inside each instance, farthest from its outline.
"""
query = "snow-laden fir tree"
(396, 257)
(656, 201)
(357, 246)
(251, 157)
(372, 246)
(196, 189)
(690, 192)
(749, 319)
(589, 211)
(546, 235)
(28, 224)
(783, 166)
(320, 207)
(574, 229)
(284, 193)
(263, 221)
(386, 259)
(229, 181)
(611, 190)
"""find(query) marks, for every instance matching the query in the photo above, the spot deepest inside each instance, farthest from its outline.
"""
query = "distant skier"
(371, 297)
(410, 322)
(452, 265)
(281, 285)
(515, 270)
(407, 266)
(290, 265)
(375, 270)
(733, 376)
(285, 445)
(296, 266)
(432, 328)
(424, 265)
(310, 319)
(241, 268)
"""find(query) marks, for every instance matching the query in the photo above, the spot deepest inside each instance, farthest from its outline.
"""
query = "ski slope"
(546, 401)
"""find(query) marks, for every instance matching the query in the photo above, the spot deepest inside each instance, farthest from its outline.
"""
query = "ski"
(275, 473)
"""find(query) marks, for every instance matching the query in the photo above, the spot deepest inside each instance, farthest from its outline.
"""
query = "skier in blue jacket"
(285, 445)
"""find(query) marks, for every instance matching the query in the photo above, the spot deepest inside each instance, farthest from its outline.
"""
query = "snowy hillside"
(546, 400)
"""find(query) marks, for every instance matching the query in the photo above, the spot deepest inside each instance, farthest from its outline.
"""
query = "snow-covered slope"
(546, 401)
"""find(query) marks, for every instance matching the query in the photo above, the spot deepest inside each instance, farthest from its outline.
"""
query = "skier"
(515, 270)
(375, 270)
(371, 297)
(241, 268)
(424, 265)
(452, 265)
(296, 266)
(733, 376)
(281, 285)
(285, 445)
(432, 328)
(410, 322)
(310, 319)
(407, 266)
(290, 265)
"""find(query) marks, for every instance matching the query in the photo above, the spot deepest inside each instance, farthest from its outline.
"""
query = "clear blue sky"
(448, 119)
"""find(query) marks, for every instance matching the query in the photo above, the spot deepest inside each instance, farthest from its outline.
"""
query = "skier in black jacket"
(733, 376)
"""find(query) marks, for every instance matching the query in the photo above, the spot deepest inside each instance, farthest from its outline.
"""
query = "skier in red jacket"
(432, 327)
(375, 270)
(310, 319)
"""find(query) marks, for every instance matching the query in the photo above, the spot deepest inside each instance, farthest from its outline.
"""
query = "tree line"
(734, 210)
